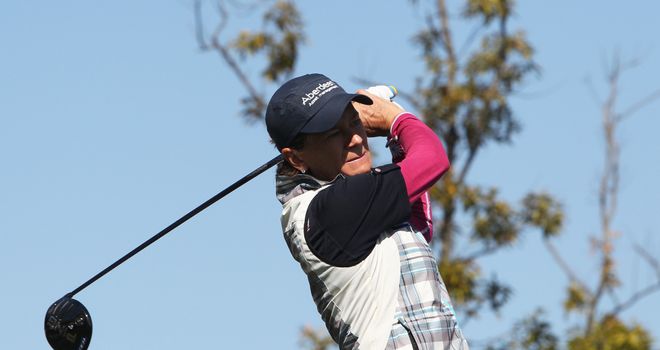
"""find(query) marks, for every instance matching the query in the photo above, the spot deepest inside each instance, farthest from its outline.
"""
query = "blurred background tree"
(600, 326)
(463, 95)
(279, 39)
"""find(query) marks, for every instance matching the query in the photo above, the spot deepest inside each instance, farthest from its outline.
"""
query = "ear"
(294, 158)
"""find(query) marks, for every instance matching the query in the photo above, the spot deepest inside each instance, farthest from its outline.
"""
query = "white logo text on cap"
(318, 91)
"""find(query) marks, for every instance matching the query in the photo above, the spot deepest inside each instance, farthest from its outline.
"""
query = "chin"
(358, 166)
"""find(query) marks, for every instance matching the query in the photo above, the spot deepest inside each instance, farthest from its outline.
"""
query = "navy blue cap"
(310, 103)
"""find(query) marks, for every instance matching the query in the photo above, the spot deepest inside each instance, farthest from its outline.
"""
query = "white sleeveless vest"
(357, 303)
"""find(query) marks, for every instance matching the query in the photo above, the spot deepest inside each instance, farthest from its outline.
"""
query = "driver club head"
(68, 325)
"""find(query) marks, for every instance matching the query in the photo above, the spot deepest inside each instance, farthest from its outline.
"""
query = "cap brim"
(328, 116)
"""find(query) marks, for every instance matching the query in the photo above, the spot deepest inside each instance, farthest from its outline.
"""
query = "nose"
(355, 140)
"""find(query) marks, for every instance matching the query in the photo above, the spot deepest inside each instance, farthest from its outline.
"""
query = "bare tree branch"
(223, 50)
(639, 105)
(199, 26)
(481, 253)
(635, 298)
(470, 39)
(608, 193)
(609, 180)
(446, 38)
(466, 165)
(247, 7)
(612, 293)
(630, 64)
(572, 276)
(649, 259)
(224, 19)
(592, 91)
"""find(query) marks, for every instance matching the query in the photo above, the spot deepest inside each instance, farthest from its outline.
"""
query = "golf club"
(68, 324)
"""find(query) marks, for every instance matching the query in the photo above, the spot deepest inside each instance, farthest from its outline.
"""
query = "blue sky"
(113, 124)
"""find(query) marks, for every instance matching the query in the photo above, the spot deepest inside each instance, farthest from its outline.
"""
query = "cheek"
(361, 166)
(329, 160)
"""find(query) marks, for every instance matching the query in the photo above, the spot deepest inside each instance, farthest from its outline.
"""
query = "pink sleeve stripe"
(425, 158)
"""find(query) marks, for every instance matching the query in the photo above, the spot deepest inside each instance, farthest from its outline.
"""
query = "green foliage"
(488, 10)
(314, 340)
(535, 333)
(464, 98)
(495, 224)
(493, 220)
(446, 192)
(610, 278)
(497, 294)
(283, 52)
(252, 107)
(467, 101)
(543, 212)
(469, 108)
(280, 39)
(460, 278)
(251, 43)
(469, 290)
(612, 334)
(576, 298)
(531, 333)
(507, 58)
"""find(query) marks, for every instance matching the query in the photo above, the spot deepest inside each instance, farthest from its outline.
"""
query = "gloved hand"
(387, 92)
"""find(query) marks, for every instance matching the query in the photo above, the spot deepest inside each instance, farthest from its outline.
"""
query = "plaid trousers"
(425, 317)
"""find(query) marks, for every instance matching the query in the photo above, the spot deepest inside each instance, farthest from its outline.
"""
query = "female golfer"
(372, 275)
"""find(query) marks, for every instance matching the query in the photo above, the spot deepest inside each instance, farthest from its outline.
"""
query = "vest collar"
(289, 187)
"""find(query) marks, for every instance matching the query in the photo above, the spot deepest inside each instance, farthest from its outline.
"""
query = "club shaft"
(180, 221)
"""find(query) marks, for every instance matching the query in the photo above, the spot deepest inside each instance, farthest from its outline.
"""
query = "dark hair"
(285, 168)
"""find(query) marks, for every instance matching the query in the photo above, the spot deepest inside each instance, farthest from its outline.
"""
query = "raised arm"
(423, 160)
(421, 156)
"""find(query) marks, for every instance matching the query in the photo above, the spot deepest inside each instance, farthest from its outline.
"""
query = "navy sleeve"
(344, 221)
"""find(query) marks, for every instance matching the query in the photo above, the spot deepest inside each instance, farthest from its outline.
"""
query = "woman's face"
(342, 149)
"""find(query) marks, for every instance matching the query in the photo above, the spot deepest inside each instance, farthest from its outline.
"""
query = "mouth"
(357, 158)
